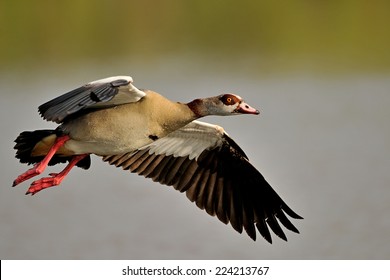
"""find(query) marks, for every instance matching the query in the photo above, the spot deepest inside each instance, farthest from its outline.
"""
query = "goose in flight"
(142, 131)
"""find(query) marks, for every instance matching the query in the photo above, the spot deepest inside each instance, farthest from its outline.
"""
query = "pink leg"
(40, 166)
(55, 179)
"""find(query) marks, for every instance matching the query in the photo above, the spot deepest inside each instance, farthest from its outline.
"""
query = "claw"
(32, 172)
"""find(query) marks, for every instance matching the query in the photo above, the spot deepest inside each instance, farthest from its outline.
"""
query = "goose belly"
(104, 148)
(110, 136)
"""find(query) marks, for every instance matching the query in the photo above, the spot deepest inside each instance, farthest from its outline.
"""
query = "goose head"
(222, 105)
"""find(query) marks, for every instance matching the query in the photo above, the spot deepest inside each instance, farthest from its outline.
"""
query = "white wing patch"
(127, 94)
(190, 140)
(111, 79)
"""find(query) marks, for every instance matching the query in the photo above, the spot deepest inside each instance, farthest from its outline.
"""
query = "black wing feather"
(223, 182)
(59, 108)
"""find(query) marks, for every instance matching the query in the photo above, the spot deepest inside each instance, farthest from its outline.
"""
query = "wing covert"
(98, 94)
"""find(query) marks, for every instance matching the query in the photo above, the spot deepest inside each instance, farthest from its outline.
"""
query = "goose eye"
(228, 99)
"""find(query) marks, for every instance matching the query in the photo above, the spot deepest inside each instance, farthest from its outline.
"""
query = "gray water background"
(323, 143)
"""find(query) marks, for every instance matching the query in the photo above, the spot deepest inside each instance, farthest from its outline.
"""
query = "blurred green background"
(267, 36)
(317, 70)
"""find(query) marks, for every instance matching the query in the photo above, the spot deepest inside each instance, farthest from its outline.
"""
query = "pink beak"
(244, 108)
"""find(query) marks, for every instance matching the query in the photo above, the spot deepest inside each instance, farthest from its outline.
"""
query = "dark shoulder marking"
(153, 137)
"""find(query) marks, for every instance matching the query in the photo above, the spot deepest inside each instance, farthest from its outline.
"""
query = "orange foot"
(32, 172)
(44, 183)
(55, 178)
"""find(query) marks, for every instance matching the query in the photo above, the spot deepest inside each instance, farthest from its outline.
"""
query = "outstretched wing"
(203, 161)
(94, 95)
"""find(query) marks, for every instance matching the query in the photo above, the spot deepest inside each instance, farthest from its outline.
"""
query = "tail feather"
(26, 142)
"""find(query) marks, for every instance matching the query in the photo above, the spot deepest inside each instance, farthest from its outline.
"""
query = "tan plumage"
(146, 133)
(108, 134)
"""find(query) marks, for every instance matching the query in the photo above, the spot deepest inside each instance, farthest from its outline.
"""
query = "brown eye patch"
(229, 99)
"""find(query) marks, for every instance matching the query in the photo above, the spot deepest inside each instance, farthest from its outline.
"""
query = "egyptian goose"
(141, 131)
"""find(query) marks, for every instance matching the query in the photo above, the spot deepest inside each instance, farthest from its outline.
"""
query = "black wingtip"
(251, 231)
(264, 231)
(286, 222)
(290, 212)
